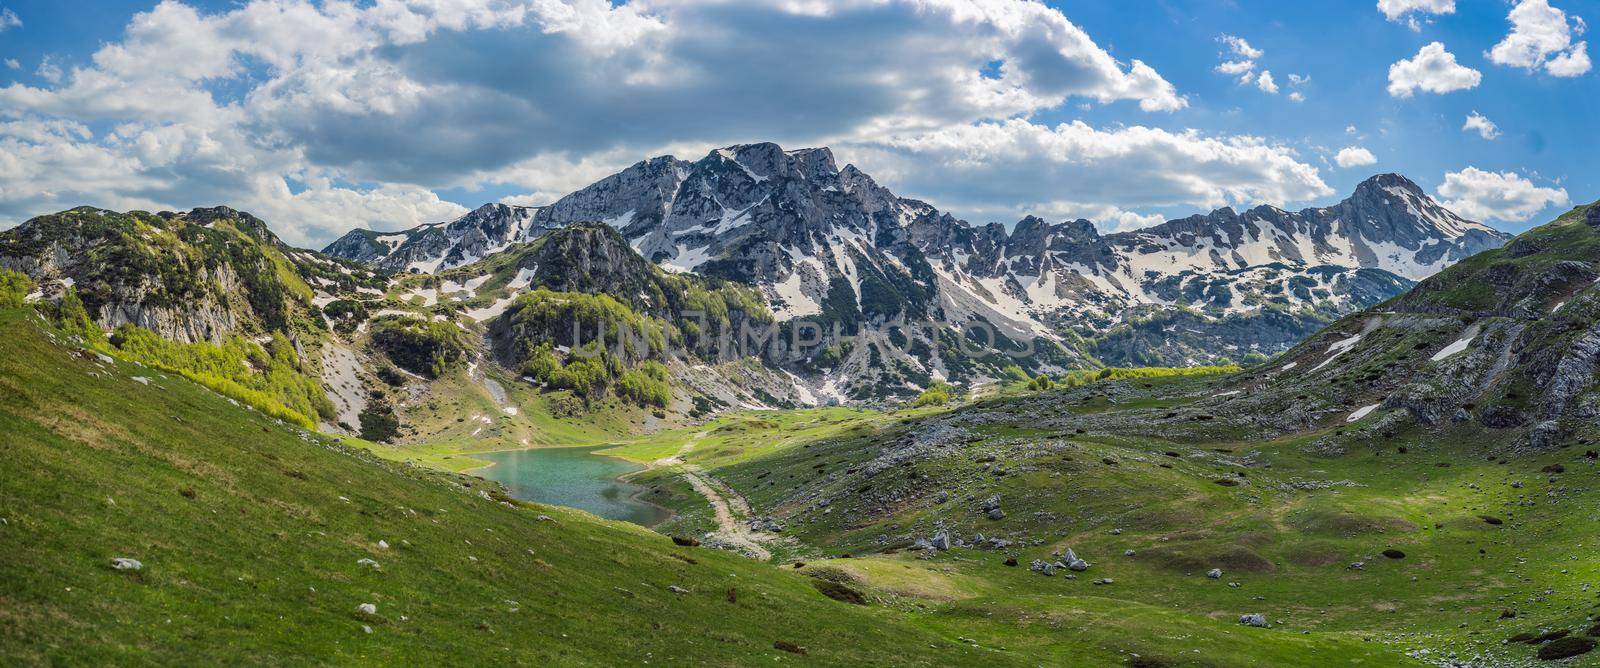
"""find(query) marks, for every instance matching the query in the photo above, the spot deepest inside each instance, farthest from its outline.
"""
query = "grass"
(250, 530)
(1287, 535)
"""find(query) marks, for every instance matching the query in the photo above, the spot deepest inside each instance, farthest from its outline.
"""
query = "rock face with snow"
(831, 245)
(430, 248)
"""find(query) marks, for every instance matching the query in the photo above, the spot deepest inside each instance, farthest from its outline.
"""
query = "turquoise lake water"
(573, 477)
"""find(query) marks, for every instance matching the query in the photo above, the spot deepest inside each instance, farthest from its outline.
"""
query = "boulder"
(367, 609)
(1255, 619)
(1215, 574)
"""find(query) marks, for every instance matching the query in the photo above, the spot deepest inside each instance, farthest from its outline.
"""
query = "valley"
(384, 464)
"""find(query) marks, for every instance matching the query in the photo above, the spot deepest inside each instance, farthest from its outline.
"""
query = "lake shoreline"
(569, 483)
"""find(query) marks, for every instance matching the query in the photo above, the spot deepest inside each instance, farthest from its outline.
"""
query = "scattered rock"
(1011, 561)
(676, 589)
(1105, 581)
(126, 564)
(1255, 619)
(996, 514)
(383, 545)
(685, 541)
(364, 561)
(1394, 554)
(1492, 520)
(367, 609)
(1227, 482)
(1215, 574)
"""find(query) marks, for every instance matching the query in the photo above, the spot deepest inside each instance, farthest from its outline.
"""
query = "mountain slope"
(829, 244)
(251, 539)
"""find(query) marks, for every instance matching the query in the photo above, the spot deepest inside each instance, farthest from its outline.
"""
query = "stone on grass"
(1215, 574)
(126, 564)
(1255, 619)
(367, 609)
(364, 561)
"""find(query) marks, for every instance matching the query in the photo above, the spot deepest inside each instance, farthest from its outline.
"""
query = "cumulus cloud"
(1241, 48)
(1266, 83)
(13, 64)
(1503, 196)
(1409, 10)
(1541, 37)
(1009, 165)
(9, 19)
(1433, 70)
(333, 94)
(1481, 124)
(1239, 60)
(1354, 156)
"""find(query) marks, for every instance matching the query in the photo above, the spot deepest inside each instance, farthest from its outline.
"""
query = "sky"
(320, 117)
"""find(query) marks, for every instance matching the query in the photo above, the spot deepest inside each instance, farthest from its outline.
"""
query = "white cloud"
(1299, 80)
(1503, 196)
(1482, 125)
(1395, 10)
(1241, 48)
(13, 64)
(1541, 37)
(48, 70)
(1354, 156)
(1297, 96)
(1008, 165)
(1266, 84)
(9, 19)
(333, 93)
(1236, 67)
(1573, 62)
(1434, 70)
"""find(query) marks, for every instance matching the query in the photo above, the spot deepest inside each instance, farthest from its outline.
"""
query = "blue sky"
(321, 117)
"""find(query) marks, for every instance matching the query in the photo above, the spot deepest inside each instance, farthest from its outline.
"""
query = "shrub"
(378, 423)
(647, 385)
(426, 347)
(14, 288)
(937, 394)
(271, 381)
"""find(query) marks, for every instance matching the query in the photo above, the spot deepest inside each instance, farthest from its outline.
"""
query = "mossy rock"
(1562, 648)
(839, 591)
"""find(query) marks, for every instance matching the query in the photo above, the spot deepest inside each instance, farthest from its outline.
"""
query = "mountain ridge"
(831, 244)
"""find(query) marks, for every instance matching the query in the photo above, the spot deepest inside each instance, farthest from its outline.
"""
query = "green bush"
(378, 423)
(426, 347)
(74, 319)
(938, 393)
(1080, 378)
(14, 288)
(647, 385)
(272, 379)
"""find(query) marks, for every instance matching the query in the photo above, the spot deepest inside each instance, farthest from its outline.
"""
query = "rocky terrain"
(830, 245)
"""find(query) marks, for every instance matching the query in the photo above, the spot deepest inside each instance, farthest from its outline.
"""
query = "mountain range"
(830, 244)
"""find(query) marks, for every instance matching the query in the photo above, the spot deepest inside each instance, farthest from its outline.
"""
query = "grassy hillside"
(251, 535)
(1486, 546)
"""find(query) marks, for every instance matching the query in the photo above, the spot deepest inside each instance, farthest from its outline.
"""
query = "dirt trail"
(730, 507)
